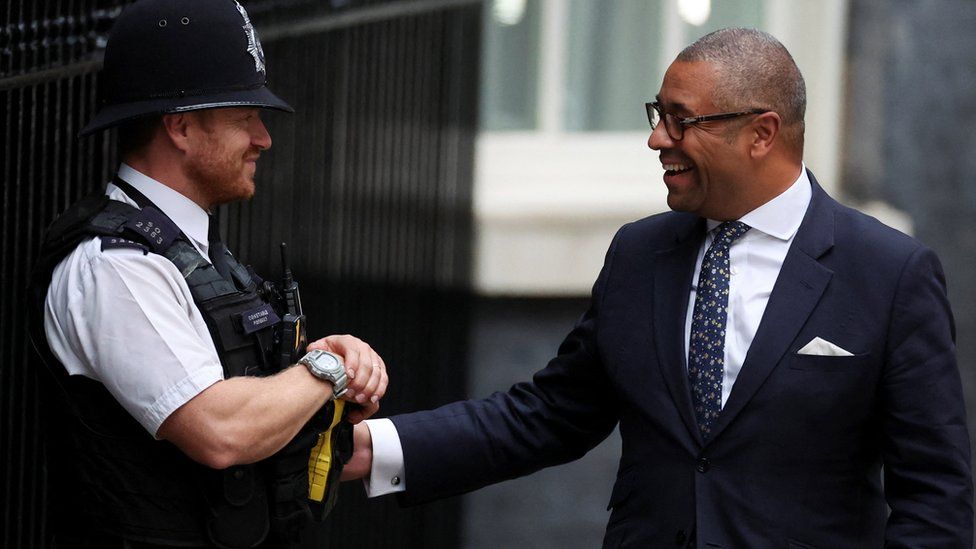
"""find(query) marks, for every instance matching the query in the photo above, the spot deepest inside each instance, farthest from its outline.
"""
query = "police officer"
(173, 425)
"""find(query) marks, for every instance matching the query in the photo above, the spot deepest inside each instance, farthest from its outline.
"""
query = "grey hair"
(755, 71)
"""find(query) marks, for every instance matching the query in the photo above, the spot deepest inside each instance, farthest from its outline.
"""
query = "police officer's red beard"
(222, 173)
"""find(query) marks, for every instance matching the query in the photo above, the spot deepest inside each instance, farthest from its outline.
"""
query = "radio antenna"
(286, 266)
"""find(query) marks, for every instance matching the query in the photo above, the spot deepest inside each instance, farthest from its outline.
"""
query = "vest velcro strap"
(186, 258)
(113, 216)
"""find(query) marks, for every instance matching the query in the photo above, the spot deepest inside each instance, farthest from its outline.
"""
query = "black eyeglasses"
(675, 126)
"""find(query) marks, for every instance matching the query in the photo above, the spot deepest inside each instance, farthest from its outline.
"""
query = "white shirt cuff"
(386, 473)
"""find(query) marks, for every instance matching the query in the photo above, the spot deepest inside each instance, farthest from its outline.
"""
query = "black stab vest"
(108, 477)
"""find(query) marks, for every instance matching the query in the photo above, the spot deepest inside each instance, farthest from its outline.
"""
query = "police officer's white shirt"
(127, 320)
(756, 257)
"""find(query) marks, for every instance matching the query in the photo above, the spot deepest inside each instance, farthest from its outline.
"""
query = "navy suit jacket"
(807, 450)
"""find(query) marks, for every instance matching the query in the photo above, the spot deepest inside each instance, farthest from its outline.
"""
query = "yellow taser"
(320, 459)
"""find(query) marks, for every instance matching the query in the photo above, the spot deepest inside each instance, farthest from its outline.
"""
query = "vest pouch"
(240, 324)
(238, 507)
(288, 474)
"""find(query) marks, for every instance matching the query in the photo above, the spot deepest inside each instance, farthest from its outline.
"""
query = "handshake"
(358, 377)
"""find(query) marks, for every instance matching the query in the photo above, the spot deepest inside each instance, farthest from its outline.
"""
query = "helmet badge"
(253, 44)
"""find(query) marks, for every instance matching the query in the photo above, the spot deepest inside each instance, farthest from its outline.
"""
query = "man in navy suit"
(782, 367)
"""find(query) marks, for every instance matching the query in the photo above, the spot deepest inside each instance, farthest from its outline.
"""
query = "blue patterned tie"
(706, 347)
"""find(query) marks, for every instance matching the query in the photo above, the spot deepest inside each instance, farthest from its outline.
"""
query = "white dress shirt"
(755, 260)
(127, 320)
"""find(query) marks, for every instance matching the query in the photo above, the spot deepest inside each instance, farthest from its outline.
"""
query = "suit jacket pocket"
(793, 544)
(829, 363)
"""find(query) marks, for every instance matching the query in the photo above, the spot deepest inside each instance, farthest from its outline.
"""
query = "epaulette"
(117, 242)
(148, 225)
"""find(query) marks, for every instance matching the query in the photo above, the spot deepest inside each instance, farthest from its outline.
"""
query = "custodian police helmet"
(168, 56)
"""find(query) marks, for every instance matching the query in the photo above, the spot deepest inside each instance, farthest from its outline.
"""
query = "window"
(588, 65)
(510, 65)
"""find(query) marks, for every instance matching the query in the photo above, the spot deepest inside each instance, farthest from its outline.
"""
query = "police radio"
(333, 445)
(293, 339)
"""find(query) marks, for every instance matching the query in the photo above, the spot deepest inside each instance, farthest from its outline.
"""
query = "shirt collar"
(781, 216)
(187, 214)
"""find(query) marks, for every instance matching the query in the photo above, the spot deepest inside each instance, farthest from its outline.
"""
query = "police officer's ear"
(765, 132)
(135, 136)
(177, 128)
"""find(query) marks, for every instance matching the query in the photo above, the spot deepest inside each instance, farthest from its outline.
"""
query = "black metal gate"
(369, 183)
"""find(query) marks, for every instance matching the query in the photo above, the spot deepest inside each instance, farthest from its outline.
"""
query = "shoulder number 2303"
(151, 230)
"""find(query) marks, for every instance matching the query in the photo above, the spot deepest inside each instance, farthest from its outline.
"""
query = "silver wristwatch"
(327, 366)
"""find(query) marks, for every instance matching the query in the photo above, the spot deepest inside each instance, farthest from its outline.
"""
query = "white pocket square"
(822, 347)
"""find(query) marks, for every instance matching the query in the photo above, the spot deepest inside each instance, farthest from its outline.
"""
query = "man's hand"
(362, 454)
(366, 372)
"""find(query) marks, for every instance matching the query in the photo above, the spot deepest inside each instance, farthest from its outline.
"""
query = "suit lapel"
(799, 286)
(673, 274)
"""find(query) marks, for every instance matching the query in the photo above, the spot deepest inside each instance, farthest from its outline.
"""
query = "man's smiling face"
(704, 168)
(226, 145)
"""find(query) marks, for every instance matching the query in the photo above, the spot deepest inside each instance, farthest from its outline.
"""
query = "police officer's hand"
(366, 371)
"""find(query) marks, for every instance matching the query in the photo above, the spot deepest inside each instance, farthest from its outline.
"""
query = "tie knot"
(727, 232)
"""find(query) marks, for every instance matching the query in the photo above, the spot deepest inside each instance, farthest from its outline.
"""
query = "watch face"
(327, 366)
(328, 362)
